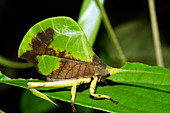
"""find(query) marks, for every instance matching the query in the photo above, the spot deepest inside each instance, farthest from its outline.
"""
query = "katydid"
(59, 50)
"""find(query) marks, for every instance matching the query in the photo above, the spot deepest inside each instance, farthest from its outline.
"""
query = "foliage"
(137, 87)
(134, 91)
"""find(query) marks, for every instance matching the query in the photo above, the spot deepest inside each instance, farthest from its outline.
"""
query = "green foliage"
(90, 19)
(141, 74)
(137, 87)
(149, 96)
(33, 104)
(3, 77)
(16, 65)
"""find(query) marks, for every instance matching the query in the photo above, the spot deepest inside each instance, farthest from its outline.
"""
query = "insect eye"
(108, 74)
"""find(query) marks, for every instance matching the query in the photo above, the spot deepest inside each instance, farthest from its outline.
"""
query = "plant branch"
(111, 33)
(2, 111)
(155, 33)
(12, 64)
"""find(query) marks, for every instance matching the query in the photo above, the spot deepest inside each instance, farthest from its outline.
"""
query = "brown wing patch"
(72, 69)
(42, 41)
(40, 46)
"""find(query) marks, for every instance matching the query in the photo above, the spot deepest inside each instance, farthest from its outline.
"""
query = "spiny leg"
(92, 91)
(73, 94)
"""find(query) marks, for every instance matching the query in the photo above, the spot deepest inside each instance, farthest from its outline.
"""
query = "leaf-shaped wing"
(58, 37)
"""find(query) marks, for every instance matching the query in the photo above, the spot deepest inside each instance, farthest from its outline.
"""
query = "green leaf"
(31, 103)
(3, 77)
(90, 19)
(141, 74)
(132, 97)
(55, 36)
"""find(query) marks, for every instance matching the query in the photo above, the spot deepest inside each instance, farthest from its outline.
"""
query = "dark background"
(17, 16)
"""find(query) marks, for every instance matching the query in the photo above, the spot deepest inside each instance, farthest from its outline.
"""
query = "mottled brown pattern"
(42, 41)
(76, 69)
(40, 46)
(72, 69)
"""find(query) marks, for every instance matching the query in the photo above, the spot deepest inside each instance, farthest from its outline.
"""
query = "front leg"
(92, 91)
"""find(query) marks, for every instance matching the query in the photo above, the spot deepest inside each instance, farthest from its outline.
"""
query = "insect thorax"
(100, 68)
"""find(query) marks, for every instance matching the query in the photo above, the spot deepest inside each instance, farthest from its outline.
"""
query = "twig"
(111, 33)
(12, 64)
(155, 33)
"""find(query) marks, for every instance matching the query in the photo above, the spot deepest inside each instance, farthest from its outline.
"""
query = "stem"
(155, 33)
(2, 111)
(111, 33)
(12, 64)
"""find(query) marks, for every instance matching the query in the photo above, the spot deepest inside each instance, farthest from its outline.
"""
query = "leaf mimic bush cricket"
(59, 50)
